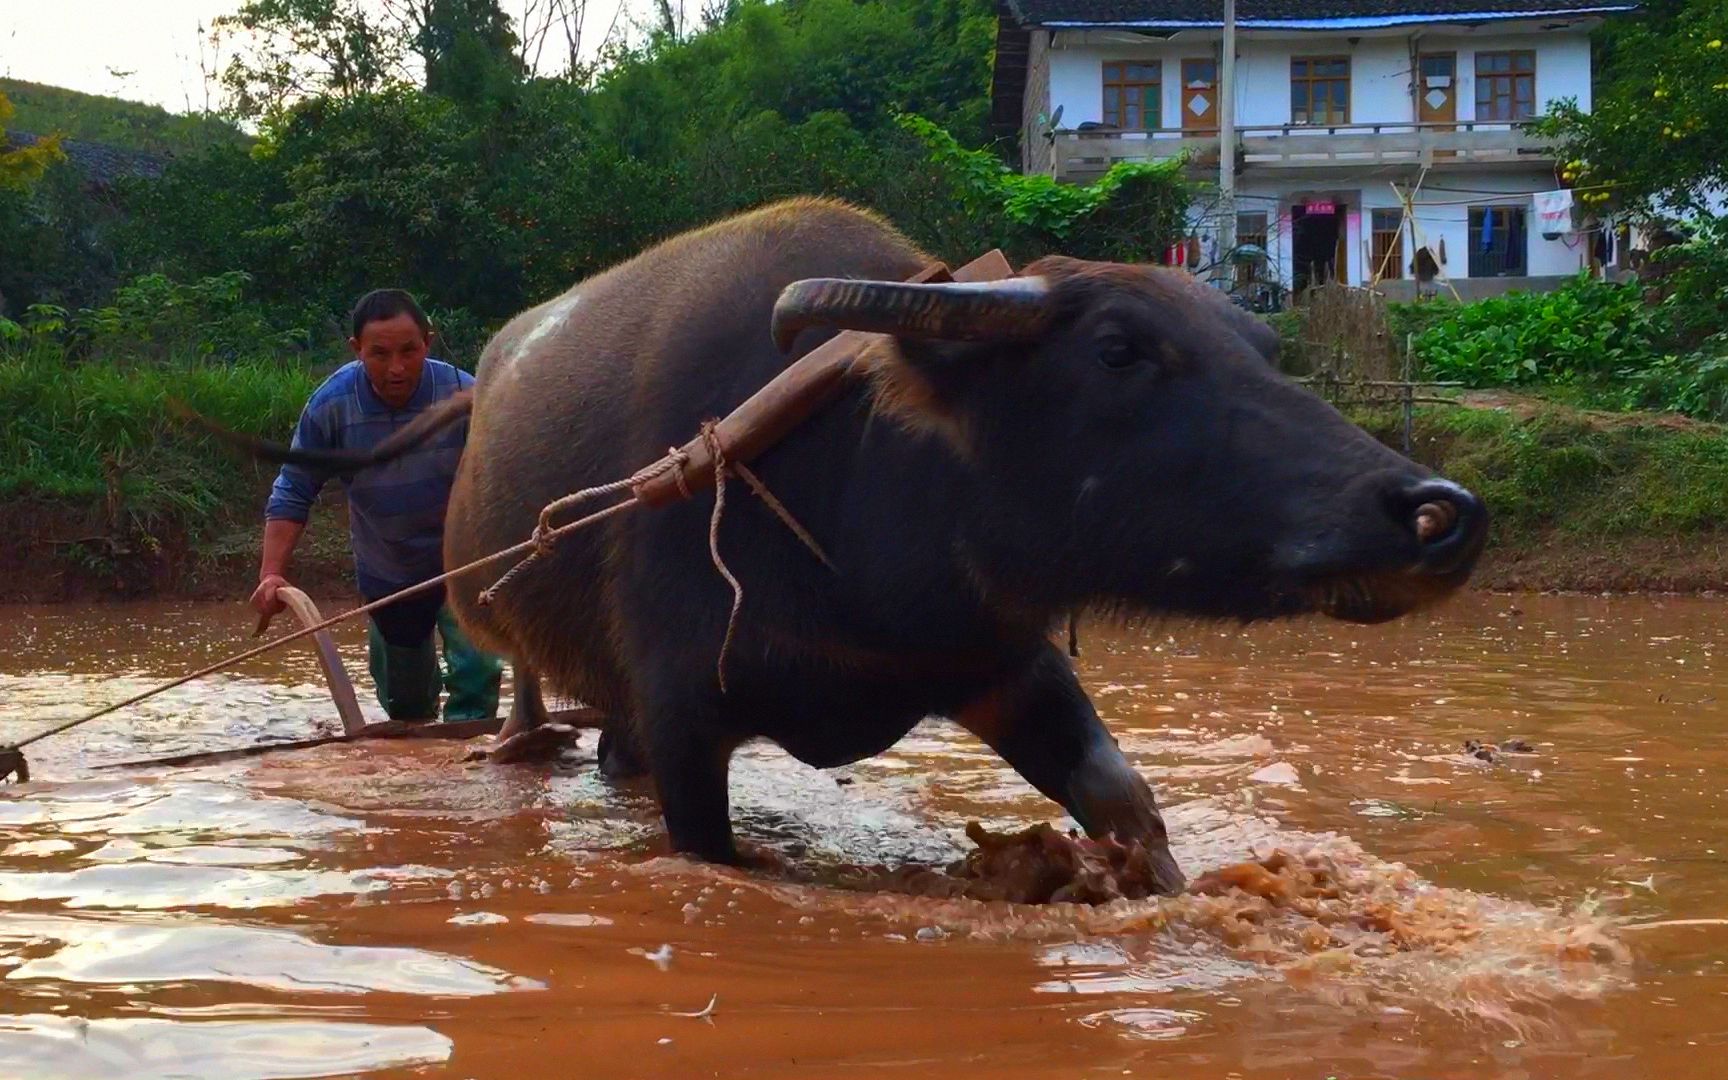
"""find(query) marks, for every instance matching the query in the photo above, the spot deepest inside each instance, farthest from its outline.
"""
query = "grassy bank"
(1584, 500)
(103, 494)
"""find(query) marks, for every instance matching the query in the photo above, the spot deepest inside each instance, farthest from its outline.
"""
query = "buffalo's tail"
(414, 434)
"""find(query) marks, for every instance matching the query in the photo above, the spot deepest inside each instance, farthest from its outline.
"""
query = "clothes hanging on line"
(1553, 212)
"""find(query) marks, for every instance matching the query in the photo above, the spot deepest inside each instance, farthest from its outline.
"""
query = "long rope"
(535, 546)
(325, 625)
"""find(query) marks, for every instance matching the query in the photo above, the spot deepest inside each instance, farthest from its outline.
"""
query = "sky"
(144, 50)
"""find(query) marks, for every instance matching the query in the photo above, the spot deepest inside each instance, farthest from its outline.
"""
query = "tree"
(466, 46)
(295, 49)
(1657, 137)
(20, 167)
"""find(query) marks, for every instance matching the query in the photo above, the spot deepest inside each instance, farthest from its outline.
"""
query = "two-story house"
(1376, 140)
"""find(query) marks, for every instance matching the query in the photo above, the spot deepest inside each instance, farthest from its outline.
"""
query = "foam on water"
(117, 952)
(1328, 917)
(41, 1046)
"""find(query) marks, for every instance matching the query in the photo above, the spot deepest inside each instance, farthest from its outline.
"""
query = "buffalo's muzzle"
(1450, 524)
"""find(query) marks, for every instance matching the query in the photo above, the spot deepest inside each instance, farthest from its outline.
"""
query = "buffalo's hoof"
(538, 744)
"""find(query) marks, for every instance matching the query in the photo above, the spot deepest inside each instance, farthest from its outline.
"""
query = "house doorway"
(1318, 245)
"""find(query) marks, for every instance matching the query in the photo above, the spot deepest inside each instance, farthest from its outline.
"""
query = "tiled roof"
(1299, 12)
(100, 163)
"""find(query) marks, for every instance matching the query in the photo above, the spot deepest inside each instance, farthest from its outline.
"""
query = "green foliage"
(61, 422)
(468, 49)
(287, 49)
(1560, 471)
(1657, 131)
(156, 318)
(1585, 331)
(1132, 211)
(1617, 346)
(128, 124)
(55, 243)
(22, 167)
(1693, 283)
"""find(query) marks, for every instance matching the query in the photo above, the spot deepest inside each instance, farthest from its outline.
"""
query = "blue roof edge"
(1346, 23)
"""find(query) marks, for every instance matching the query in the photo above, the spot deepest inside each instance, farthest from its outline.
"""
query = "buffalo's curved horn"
(1012, 309)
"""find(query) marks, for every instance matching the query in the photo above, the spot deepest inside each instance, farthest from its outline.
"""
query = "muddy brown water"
(384, 910)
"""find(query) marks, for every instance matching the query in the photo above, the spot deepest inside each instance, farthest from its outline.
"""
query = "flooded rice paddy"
(386, 910)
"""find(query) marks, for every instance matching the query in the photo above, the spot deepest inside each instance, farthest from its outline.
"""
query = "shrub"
(1585, 331)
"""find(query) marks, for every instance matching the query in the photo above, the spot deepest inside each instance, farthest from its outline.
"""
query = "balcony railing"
(1080, 154)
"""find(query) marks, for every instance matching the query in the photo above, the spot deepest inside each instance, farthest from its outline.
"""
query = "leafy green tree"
(295, 49)
(468, 48)
(22, 166)
(1657, 134)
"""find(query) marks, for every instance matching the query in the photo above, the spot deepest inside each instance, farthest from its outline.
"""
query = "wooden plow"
(354, 725)
(798, 392)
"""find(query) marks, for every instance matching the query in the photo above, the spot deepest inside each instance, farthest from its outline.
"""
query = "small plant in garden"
(1585, 331)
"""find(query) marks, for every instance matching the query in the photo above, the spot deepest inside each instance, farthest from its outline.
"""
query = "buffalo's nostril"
(1434, 520)
(1449, 522)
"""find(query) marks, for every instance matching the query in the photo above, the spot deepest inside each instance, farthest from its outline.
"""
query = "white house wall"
(1379, 72)
(1380, 94)
(1440, 215)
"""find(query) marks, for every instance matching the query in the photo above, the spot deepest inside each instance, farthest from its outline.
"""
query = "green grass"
(61, 424)
(1563, 475)
(46, 110)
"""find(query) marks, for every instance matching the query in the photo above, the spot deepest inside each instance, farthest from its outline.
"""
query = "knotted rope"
(676, 460)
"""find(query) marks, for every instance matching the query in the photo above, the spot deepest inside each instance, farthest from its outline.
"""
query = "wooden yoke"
(793, 396)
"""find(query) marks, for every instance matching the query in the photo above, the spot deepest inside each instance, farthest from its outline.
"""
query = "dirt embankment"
(53, 551)
(1582, 502)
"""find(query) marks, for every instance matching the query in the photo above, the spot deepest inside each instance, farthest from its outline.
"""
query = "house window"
(1388, 248)
(1505, 85)
(1497, 241)
(1133, 95)
(1250, 230)
(1320, 90)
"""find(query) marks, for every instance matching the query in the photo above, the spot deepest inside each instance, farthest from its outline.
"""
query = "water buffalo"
(1087, 435)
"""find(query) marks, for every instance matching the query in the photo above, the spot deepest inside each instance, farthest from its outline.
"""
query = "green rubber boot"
(471, 677)
(406, 679)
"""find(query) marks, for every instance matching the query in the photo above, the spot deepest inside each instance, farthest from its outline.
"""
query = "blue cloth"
(395, 510)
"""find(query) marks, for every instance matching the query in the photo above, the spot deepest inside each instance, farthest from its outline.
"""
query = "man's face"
(394, 352)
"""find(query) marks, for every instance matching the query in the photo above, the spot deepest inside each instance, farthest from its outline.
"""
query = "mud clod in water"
(1484, 751)
(1037, 865)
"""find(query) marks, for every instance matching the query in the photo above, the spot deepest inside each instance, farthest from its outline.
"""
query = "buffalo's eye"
(1117, 351)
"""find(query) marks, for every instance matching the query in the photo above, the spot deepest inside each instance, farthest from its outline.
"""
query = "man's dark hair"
(387, 304)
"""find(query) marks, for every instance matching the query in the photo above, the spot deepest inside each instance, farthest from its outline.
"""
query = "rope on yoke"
(12, 760)
(676, 461)
(717, 453)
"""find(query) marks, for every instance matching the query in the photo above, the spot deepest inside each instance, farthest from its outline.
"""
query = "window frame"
(1122, 84)
(1490, 82)
(1249, 230)
(1386, 246)
(1310, 80)
(1481, 265)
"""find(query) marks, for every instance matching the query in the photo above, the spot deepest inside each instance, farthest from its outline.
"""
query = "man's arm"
(288, 510)
(280, 536)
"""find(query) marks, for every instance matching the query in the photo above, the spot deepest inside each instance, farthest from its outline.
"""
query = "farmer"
(396, 511)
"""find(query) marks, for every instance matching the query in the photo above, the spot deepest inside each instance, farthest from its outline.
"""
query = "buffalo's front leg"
(689, 758)
(620, 753)
(1043, 725)
(529, 735)
(528, 707)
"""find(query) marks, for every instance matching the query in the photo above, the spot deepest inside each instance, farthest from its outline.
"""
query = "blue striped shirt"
(395, 510)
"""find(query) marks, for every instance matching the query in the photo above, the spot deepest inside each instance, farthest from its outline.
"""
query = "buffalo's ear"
(922, 384)
(1255, 331)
